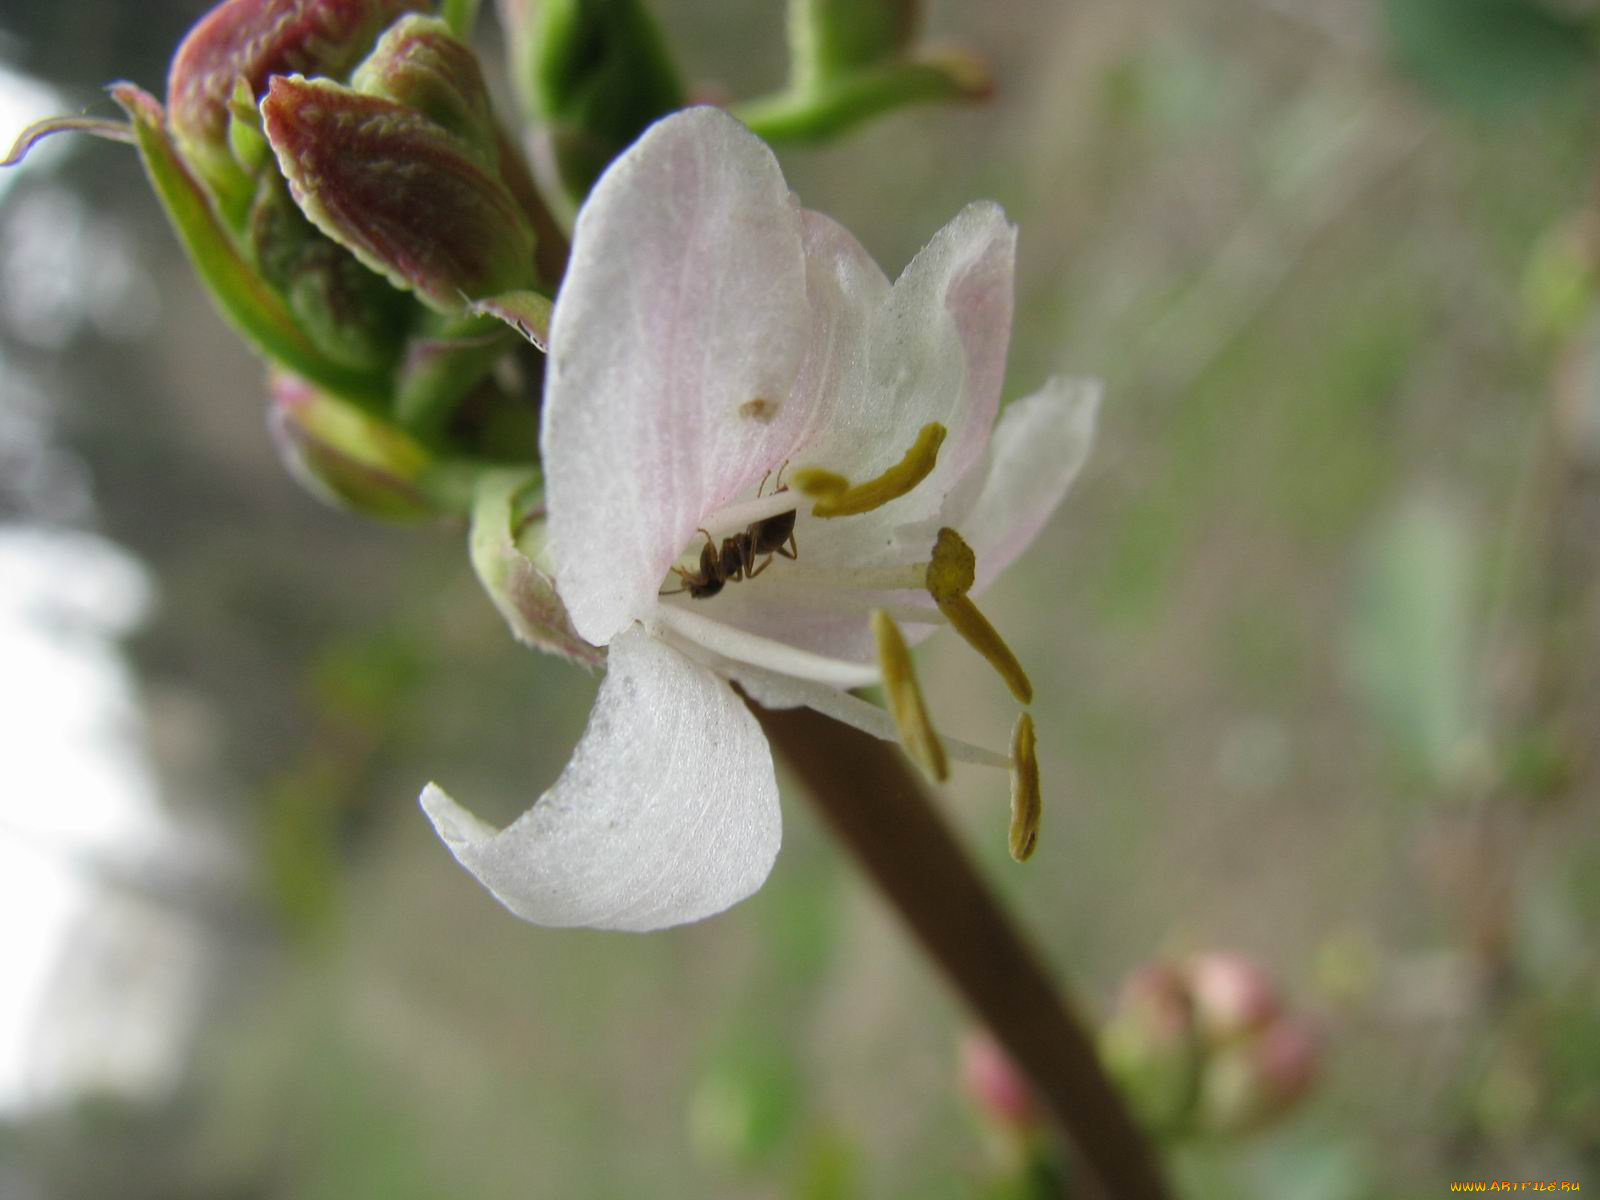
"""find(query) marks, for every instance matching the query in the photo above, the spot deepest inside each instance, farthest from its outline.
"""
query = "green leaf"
(1489, 55)
(258, 312)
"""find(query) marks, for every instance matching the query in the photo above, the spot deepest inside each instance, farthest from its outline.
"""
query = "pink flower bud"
(1232, 995)
(1259, 1079)
(254, 40)
(411, 200)
(995, 1084)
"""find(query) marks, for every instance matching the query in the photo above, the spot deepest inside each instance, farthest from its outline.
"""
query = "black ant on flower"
(737, 557)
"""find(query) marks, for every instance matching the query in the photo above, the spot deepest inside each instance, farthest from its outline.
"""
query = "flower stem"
(875, 804)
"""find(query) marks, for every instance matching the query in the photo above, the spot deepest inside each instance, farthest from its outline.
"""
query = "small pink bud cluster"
(1200, 1046)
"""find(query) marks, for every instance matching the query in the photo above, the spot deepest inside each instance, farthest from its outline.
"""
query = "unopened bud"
(254, 40)
(996, 1086)
(352, 315)
(347, 456)
(420, 64)
(1150, 1047)
(508, 553)
(1232, 995)
(593, 75)
(1256, 1080)
(410, 199)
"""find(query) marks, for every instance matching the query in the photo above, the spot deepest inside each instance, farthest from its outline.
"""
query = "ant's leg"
(763, 484)
(779, 480)
(754, 571)
(791, 548)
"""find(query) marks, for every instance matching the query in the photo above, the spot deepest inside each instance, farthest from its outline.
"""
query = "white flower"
(710, 338)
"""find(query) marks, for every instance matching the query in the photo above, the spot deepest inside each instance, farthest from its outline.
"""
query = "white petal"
(667, 813)
(934, 352)
(847, 291)
(1038, 448)
(674, 347)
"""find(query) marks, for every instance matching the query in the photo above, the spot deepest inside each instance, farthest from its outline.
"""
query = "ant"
(737, 558)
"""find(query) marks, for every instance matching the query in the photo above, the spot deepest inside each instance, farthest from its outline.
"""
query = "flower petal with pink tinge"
(667, 813)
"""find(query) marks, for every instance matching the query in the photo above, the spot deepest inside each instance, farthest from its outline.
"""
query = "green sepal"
(528, 313)
(246, 142)
(350, 313)
(248, 302)
(441, 368)
(111, 131)
(831, 108)
(347, 456)
(507, 550)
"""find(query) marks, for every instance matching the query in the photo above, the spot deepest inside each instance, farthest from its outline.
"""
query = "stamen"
(739, 516)
(837, 498)
(742, 646)
(1027, 804)
(910, 714)
(775, 691)
(949, 578)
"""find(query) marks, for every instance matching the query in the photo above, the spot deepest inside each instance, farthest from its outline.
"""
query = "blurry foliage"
(359, 701)
(1410, 642)
(1491, 56)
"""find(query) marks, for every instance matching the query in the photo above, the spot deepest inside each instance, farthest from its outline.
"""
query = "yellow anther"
(954, 567)
(1027, 804)
(910, 714)
(950, 576)
(837, 498)
(815, 482)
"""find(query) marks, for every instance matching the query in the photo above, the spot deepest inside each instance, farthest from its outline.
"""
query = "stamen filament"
(832, 599)
(906, 706)
(852, 710)
(950, 576)
(910, 577)
(737, 517)
(835, 497)
(742, 646)
(1027, 803)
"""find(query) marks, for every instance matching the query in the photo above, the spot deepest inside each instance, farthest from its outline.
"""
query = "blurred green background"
(1316, 641)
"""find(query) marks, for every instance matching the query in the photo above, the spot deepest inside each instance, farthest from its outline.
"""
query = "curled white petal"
(667, 813)
(674, 346)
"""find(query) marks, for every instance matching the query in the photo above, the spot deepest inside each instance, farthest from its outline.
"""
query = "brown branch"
(877, 807)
